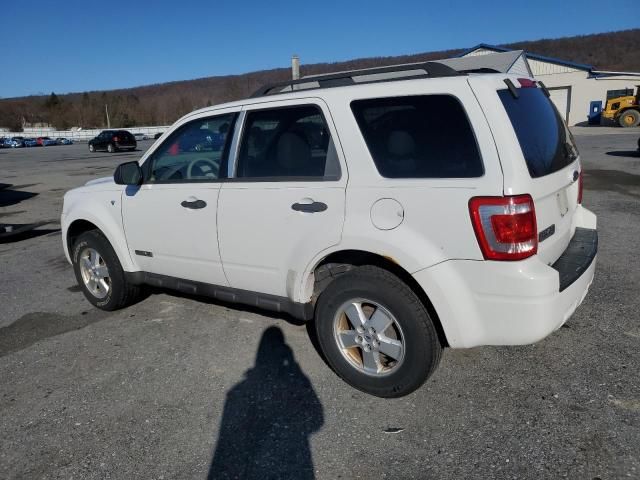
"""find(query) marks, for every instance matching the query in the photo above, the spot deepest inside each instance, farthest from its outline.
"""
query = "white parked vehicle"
(141, 136)
(402, 215)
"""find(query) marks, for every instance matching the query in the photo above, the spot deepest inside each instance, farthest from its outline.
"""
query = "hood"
(101, 181)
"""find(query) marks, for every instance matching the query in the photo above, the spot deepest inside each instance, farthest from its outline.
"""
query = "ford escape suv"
(402, 209)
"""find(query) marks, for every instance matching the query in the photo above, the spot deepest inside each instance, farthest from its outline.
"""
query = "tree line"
(162, 104)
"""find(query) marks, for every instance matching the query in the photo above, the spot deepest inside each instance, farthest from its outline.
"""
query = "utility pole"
(295, 67)
(106, 109)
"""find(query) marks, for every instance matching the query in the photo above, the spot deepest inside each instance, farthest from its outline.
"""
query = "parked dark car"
(30, 142)
(64, 141)
(112, 141)
(158, 135)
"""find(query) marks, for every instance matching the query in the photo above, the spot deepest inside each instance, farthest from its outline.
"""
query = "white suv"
(402, 215)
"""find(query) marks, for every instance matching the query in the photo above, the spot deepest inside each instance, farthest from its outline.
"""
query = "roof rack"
(341, 79)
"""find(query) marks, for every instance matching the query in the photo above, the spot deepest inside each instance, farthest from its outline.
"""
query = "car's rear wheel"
(92, 148)
(630, 118)
(375, 332)
(100, 274)
(111, 148)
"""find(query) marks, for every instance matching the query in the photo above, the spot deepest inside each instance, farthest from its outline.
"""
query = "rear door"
(539, 157)
(286, 203)
(102, 140)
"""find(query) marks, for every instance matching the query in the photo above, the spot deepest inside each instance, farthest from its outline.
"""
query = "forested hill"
(161, 104)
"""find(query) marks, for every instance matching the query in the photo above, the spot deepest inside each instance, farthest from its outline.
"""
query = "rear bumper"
(511, 303)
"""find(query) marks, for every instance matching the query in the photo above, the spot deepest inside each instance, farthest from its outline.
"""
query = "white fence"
(79, 135)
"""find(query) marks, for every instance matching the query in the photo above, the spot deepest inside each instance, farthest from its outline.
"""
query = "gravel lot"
(178, 387)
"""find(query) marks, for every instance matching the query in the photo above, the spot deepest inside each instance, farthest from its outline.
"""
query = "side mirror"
(128, 173)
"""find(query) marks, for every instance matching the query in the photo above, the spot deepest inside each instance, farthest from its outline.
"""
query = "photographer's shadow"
(268, 418)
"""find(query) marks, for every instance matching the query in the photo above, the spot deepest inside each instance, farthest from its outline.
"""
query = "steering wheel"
(210, 166)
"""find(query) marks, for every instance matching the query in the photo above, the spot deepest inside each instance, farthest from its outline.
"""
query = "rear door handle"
(194, 204)
(311, 207)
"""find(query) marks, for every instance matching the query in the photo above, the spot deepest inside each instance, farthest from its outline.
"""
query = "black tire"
(92, 148)
(121, 292)
(422, 349)
(629, 118)
(111, 148)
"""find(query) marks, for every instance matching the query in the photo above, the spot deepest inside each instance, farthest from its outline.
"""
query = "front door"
(170, 220)
(286, 202)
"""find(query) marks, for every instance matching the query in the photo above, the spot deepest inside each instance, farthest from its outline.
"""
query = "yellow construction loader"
(624, 110)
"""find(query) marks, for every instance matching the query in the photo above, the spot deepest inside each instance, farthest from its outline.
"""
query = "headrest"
(401, 144)
(293, 151)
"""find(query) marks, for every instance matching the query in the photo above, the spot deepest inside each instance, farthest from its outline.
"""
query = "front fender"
(104, 210)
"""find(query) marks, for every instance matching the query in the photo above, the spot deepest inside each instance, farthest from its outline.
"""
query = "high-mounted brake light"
(527, 83)
(115, 139)
(580, 186)
(505, 227)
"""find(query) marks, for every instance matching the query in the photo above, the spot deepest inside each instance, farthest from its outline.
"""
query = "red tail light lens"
(116, 139)
(580, 186)
(505, 227)
(527, 83)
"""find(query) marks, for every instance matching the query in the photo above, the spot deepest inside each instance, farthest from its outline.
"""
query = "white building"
(573, 86)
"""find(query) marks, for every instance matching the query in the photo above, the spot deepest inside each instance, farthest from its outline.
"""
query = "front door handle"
(311, 207)
(194, 205)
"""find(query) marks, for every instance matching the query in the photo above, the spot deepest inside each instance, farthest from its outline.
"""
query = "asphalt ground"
(182, 387)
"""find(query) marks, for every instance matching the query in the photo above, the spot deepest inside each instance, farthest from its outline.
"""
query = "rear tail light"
(580, 186)
(116, 139)
(505, 226)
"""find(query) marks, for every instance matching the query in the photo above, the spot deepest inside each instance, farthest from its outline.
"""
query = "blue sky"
(83, 45)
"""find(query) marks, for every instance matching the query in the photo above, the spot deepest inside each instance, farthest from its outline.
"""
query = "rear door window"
(427, 136)
(546, 143)
(287, 143)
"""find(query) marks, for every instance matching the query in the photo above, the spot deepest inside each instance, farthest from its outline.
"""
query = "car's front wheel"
(100, 274)
(375, 333)
(92, 148)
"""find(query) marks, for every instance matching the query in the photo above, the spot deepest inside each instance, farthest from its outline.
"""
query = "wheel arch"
(83, 223)
(77, 228)
(337, 262)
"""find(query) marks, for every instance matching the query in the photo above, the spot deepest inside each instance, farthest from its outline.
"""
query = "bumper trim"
(577, 258)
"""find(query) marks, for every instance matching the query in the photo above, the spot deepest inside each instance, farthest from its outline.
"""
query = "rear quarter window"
(546, 143)
(427, 136)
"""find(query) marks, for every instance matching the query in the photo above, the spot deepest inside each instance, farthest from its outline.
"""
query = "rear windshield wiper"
(512, 88)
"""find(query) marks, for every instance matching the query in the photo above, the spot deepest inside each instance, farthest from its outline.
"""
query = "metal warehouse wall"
(583, 90)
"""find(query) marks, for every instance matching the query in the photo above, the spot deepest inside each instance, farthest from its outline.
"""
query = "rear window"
(125, 135)
(546, 143)
(426, 136)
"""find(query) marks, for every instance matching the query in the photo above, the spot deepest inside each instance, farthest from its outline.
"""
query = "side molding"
(301, 311)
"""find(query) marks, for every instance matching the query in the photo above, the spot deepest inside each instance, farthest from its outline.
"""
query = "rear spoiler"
(514, 91)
